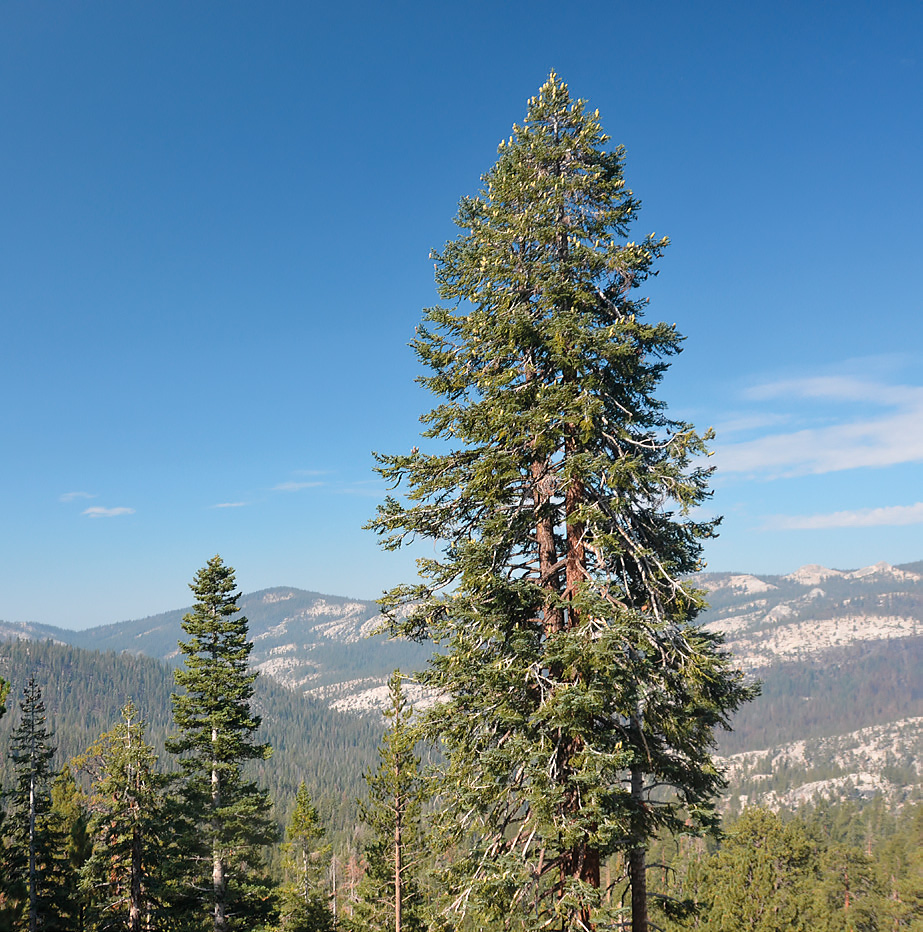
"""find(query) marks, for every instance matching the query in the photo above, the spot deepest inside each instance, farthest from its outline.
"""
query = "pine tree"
(123, 875)
(305, 862)
(216, 738)
(32, 842)
(761, 879)
(389, 893)
(576, 688)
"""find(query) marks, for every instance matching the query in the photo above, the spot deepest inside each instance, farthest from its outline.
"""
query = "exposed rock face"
(879, 760)
(797, 618)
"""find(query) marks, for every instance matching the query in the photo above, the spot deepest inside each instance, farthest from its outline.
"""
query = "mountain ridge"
(837, 651)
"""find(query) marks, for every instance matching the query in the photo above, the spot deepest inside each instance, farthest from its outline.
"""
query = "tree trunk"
(33, 873)
(574, 496)
(134, 907)
(398, 866)
(219, 881)
(637, 864)
(547, 549)
(219, 886)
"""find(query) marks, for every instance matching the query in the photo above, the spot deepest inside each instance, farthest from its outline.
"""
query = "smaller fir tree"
(4, 692)
(216, 738)
(389, 894)
(69, 822)
(760, 879)
(123, 875)
(32, 842)
(305, 863)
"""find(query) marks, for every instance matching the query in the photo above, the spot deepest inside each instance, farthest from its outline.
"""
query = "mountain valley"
(839, 655)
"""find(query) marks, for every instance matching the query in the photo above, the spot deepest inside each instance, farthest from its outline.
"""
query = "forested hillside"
(84, 692)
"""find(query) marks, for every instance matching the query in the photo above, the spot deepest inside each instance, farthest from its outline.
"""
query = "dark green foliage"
(389, 896)
(833, 868)
(306, 859)
(760, 879)
(70, 825)
(216, 737)
(124, 877)
(579, 700)
(32, 844)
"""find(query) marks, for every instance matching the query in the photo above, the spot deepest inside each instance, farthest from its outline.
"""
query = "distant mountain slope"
(840, 657)
(84, 691)
(767, 619)
(878, 760)
(319, 644)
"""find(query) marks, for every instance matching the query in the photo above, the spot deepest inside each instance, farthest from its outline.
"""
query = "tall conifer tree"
(572, 676)
(4, 692)
(69, 820)
(216, 738)
(33, 843)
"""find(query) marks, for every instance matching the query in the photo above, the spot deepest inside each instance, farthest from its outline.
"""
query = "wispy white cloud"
(833, 388)
(74, 496)
(230, 505)
(891, 516)
(895, 436)
(295, 486)
(99, 512)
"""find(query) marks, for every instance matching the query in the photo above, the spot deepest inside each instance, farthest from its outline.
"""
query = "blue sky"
(215, 222)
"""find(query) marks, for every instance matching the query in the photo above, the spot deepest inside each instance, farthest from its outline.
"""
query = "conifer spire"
(560, 505)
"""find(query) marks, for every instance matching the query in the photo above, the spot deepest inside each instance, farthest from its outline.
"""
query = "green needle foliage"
(306, 860)
(579, 700)
(32, 842)
(70, 821)
(389, 894)
(230, 813)
(124, 875)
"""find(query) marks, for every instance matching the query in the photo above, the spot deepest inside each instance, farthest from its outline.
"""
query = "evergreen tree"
(4, 897)
(900, 866)
(761, 878)
(305, 863)
(576, 688)
(123, 875)
(389, 894)
(216, 738)
(32, 843)
(847, 893)
(69, 822)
